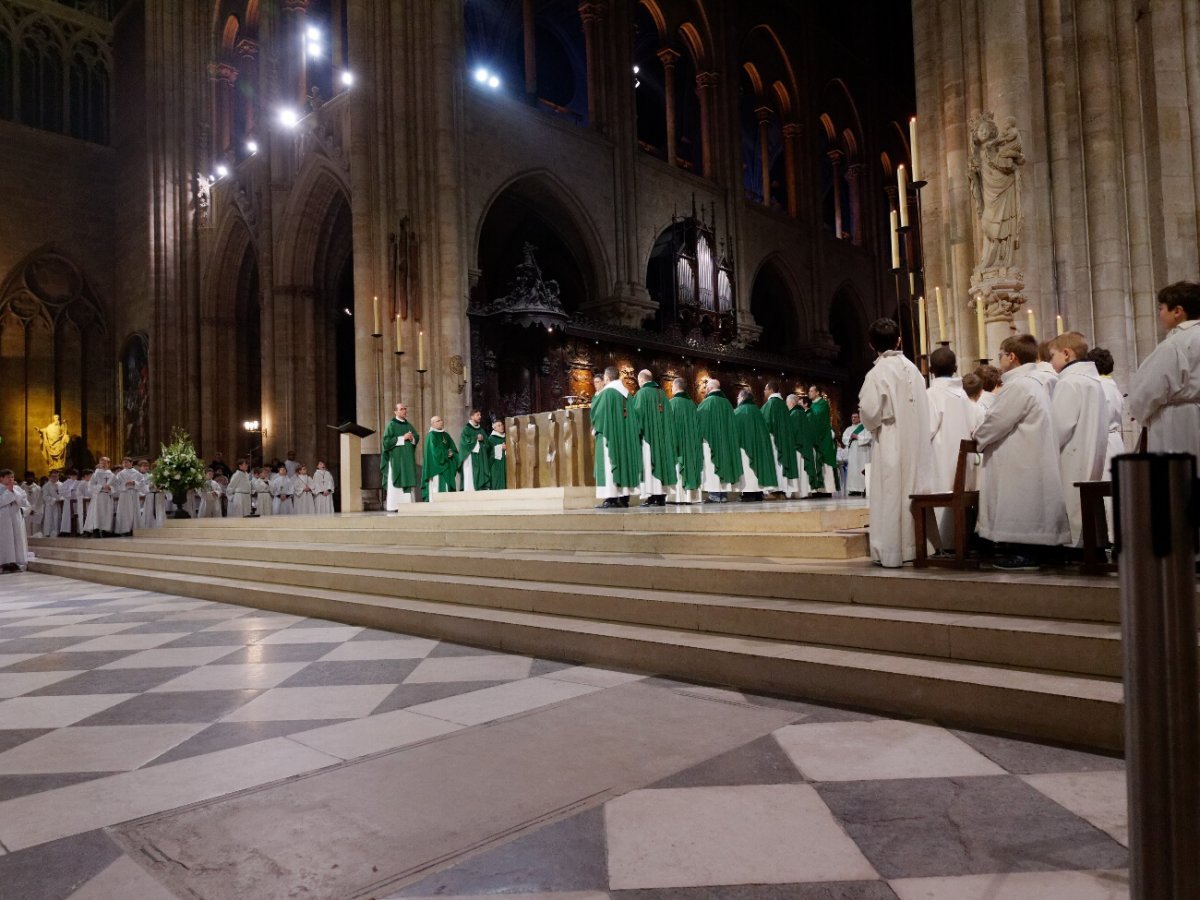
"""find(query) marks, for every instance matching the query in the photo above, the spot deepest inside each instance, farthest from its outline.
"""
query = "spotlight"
(288, 117)
(637, 70)
(482, 75)
(347, 78)
(314, 33)
(346, 310)
(222, 171)
(494, 82)
(314, 50)
(251, 147)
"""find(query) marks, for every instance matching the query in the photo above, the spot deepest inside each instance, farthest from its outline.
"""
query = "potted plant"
(178, 469)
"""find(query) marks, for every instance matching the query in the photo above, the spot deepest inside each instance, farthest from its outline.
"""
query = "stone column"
(855, 173)
(669, 57)
(835, 159)
(295, 26)
(792, 134)
(224, 77)
(248, 52)
(706, 89)
(531, 88)
(591, 12)
(763, 115)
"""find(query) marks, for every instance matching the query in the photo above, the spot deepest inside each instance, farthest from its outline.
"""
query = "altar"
(550, 449)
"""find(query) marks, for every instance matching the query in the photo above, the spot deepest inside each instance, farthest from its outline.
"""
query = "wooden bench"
(960, 501)
(1092, 495)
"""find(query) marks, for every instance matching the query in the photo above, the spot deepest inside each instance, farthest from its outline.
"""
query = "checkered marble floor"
(119, 708)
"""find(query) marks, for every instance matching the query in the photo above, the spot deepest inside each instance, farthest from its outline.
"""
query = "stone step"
(1046, 705)
(1078, 647)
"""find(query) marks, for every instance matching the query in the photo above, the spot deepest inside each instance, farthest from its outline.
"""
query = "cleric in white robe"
(67, 490)
(1021, 495)
(261, 488)
(33, 517)
(14, 549)
(952, 419)
(126, 486)
(101, 510)
(857, 441)
(895, 409)
(281, 490)
(1164, 393)
(322, 480)
(1116, 407)
(1080, 421)
(303, 502)
(52, 505)
(239, 491)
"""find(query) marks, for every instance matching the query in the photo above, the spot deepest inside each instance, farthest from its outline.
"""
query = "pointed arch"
(318, 188)
(777, 306)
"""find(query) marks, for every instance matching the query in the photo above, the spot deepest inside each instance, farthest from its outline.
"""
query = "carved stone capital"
(793, 130)
(1001, 295)
(668, 57)
(247, 49)
(707, 80)
(835, 157)
(591, 11)
(763, 114)
(223, 73)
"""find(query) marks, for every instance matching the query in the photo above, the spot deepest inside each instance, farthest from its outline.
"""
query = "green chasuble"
(775, 411)
(755, 439)
(472, 436)
(717, 429)
(616, 431)
(799, 419)
(685, 429)
(497, 473)
(824, 451)
(441, 458)
(649, 407)
(401, 454)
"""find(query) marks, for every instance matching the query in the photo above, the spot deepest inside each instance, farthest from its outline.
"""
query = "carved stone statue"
(54, 440)
(995, 173)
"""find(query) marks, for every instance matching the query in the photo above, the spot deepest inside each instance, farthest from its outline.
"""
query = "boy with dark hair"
(1164, 395)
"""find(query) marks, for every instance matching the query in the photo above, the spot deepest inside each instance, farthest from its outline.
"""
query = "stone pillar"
(592, 13)
(763, 115)
(248, 52)
(706, 89)
(835, 159)
(224, 77)
(531, 88)
(792, 135)
(855, 174)
(669, 57)
(295, 25)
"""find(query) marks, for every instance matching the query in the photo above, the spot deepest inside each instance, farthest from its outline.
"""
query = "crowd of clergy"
(1047, 418)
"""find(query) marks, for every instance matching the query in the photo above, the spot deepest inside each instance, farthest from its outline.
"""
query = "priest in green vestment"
(775, 411)
(798, 416)
(618, 467)
(689, 458)
(398, 461)
(472, 446)
(824, 450)
(439, 465)
(497, 458)
(754, 441)
(650, 417)
(718, 435)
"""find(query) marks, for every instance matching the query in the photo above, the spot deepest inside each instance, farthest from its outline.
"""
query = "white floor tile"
(254, 623)
(502, 700)
(125, 642)
(404, 648)
(86, 629)
(470, 668)
(100, 748)
(232, 677)
(597, 676)
(337, 702)
(333, 635)
(1108, 885)
(373, 734)
(14, 684)
(123, 879)
(1098, 797)
(11, 659)
(55, 712)
(172, 656)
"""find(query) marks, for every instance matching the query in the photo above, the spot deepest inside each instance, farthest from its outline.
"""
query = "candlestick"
(937, 296)
(895, 240)
(1058, 322)
(902, 195)
(376, 331)
(982, 328)
(421, 351)
(924, 337)
(912, 146)
(1032, 324)
(399, 337)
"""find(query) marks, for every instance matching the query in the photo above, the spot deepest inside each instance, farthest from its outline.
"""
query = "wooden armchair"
(1095, 526)
(961, 502)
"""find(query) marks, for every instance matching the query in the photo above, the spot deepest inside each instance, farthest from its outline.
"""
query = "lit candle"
(902, 194)
(399, 338)
(937, 296)
(924, 345)
(895, 240)
(1032, 323)
(912, 145)
(1058, 322)
(982, 328)
(421, 351)
(376, 331)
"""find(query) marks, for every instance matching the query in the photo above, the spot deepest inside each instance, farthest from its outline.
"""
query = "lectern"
(351, 463)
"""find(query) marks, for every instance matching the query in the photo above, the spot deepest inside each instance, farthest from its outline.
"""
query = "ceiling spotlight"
(222, 171)
(637, 69)
(288, 117)
(482, 75)
(346, 310)
(251, 147)
(347, 78)
(314, 33)
(314, 50)
(494, 82)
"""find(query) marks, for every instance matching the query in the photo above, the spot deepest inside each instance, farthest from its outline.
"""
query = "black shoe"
(623, 502)
(1016, 563)
(610, 503)
(752, 496)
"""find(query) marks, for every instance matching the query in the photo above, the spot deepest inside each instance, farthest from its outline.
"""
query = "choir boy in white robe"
(303, 503)
(239, 491)
(1021, 502)
(323, 487)
(895, 408)
(70, 491)
(127, 488)
(857, 441)
(261, 487)
(102, 486)
(1080, 420)
(83, 501)
(210, 498)
(1164, 393)
(292, 466)
(14, 548)
(154, 498)
(951, 421)
(1044, 371)
(1116, 407)
(990, 377)
(52, 505)
(281, 490)
(33, 493)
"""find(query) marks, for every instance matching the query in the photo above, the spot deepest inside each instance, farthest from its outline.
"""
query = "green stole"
(616, 432)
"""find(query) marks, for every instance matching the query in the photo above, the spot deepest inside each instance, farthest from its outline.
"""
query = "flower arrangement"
(178, 469)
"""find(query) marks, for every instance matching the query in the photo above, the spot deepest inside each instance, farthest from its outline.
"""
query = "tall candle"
(421, 351)
(937, 296)
(982, 328)
(376, 330)
(924, 345)
(912, 146)
(895, 240)
(399, 338)
(902, 194)
(1058, 322)
(1032, 323)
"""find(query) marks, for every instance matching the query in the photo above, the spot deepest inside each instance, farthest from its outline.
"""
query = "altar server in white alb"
(1080, 420)
(281, 490)
(102, 486)
(52, 505)
(857, 441)
(895, 408)
(210, 498)
(1044, 371)
(1021, 496)
(154, 498)
(951, 421)
(303, 501)
(322, 480)
(66, 490)
(1164, 394)
(239, 492)
(261, 488)
(14, 547)
(33, 493)
(1116, 407)
(83, 501)
(126, 486)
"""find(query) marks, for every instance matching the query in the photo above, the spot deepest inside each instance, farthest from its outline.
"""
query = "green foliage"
(178, 468)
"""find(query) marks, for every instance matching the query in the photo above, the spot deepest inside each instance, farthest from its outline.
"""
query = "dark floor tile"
(173, 708)
(759, 762)
(812, 712)
(110, 681)
(316, 623)
(445, 648)
(223, 735)
(12, 632)
(407, 695)
(830, 890)
(163, 627)
(376, 634)
(70, 662)
(122, 617)
(39, 645)
(568, 855)
(372, 671)
(15, 737)
(21, 785)
(966, 826)
(57, 869)
(216, 639)
(1027, 758)
(275, 653)
(547, 666)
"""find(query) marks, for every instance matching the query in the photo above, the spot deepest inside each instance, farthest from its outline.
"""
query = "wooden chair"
(1095, 526)
(960, 501)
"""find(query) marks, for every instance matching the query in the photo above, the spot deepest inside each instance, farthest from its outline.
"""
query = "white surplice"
(1021, 491)
(952, 418)
(238, 493)
(303, 503)
(14, 547)
(100, 512)
(322, 480)
(894, 407)
(263, 501)
(210, 501)
(1164, 393)
(126, 486)
(858, 455)
(67, 492)
(281, 490)
(1116, 421)
(1081, 423)
(1045, 375)
(52, 508)
(33, 517)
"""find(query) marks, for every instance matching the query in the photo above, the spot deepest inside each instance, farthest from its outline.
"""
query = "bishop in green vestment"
(472, 446)
(824, 450)
(398, 461)
(497, 458)
(722, 455)
(775, 411)
(618, 468)
(657, 448)
(754, 440)
(689, 458)
(439, 465)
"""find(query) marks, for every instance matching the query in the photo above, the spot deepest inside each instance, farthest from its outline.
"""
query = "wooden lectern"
(351, 464)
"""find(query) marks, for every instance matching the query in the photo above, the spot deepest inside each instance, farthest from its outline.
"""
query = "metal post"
(1155, 500)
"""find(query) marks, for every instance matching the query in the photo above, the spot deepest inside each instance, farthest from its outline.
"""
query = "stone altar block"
(550, 449)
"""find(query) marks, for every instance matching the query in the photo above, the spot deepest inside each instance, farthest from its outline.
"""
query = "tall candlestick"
(924, 345)
(902, 194)
(982, 327)
(421, 351)
(937, 295)
(895, 240)
(399, 338)
(1058, 322)
(912, 147)
(376, 330)
(1032, 323)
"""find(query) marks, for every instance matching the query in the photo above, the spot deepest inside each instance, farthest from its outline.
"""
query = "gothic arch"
(848, 323)
(777, 307)
(318, 188)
